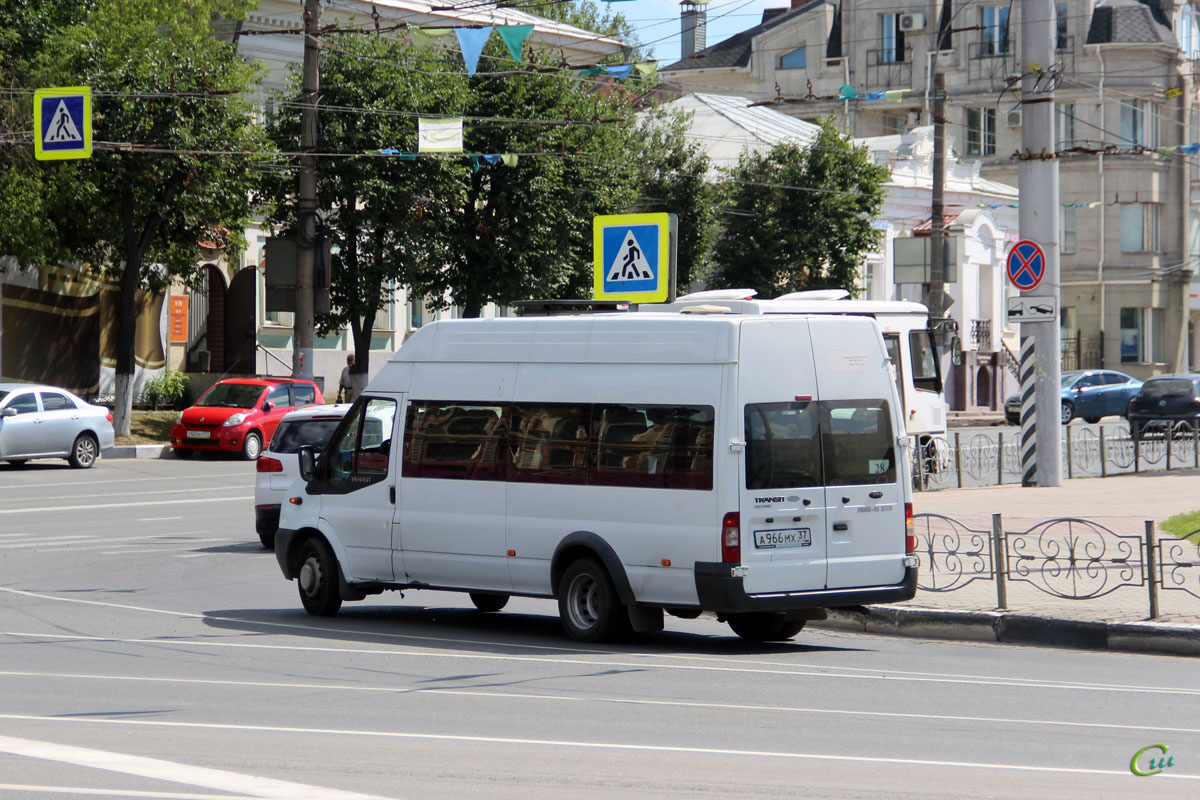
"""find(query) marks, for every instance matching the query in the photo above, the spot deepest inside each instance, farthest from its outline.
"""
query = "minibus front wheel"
(318, 578)
(588, 603)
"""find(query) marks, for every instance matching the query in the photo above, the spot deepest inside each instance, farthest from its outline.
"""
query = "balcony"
(989, 63)
(981, 335)
(888, 68)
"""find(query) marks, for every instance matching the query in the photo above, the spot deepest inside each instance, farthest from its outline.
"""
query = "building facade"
(1127, 111)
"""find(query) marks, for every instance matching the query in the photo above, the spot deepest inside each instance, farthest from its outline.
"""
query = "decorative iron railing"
(1070, 558)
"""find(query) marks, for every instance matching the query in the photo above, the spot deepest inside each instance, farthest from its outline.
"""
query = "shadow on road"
(468, 630)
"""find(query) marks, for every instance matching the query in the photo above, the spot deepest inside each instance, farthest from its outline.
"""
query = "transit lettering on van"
(531, 457)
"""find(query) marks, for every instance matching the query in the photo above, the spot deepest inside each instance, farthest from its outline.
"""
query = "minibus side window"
(548, 443)
(925, 367)
(459, 441)
(361, 452)
(859, 447)
(655, 446)
(783, 449)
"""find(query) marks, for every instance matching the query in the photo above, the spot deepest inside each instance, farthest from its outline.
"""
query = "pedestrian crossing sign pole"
(634, 257)
(62, 123)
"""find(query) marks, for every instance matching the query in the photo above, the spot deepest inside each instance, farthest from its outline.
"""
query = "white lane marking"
(602, 699)
(843, 671)
(41, 540)
(27, 788)
(184, 490)
(156, 519)
(11, 535)
(579, 745)
(145, 537)
(889, 677)
(48, 509)
(158, 769)
(122, 480)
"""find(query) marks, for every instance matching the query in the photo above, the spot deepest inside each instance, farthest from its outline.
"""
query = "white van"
(625, 464)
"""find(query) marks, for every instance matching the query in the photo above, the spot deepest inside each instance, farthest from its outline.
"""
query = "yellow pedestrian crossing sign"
(634, 257)
(62, 123)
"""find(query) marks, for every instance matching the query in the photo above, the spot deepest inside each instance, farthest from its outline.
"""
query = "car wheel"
(1091, 420)
(268, 540)
(765, 626)
(1068, 411)
(252, 446)
(489, 602)
(317, 578)
(84, 451)
(184, 453)
(588, 604)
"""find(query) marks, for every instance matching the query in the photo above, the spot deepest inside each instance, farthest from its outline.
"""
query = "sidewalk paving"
(1115, 621)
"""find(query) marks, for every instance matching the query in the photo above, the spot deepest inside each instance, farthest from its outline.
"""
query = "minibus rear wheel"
(317, 578)
(489, 602)
(588, 604)
(762, 626)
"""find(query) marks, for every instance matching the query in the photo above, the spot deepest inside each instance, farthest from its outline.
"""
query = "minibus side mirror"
(308, 463)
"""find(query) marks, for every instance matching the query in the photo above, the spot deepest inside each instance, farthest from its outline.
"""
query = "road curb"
(1012, 628)
(138, 451)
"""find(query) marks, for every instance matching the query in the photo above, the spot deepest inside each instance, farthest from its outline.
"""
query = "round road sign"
(1026, 265)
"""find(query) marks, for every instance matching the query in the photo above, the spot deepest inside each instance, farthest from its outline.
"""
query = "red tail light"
(731, 539)
(910, 538)
(109, 416)
(269, 465)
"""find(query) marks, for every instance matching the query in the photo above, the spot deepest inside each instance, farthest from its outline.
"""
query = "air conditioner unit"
(912, 22)
(1014, 119)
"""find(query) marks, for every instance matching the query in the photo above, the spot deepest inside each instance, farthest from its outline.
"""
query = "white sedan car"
(279, 464)
(48, 422)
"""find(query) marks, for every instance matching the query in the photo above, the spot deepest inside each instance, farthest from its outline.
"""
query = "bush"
(165, 390)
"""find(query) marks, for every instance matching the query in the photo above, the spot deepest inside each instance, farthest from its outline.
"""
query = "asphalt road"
(150, 648)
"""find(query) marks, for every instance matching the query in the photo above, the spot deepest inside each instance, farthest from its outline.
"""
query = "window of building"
(993, 33)
(1139, 227)
(1189, 32)
(1139, 124)
(891, 39)
(981, 131)
(1068, 230)
(1131, 335)
(1060, 26)
(795, 59)
(893, 124)
(1158, 335)
(1064, 125)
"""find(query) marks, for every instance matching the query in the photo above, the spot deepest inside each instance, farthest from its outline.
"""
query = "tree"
(176, 151)
(799, 217)
(674, 179)
(589, 16)
(513, 232)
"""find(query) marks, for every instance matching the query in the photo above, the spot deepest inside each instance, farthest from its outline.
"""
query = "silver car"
(48, 422)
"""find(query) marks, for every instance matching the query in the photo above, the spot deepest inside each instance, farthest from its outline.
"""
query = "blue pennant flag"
(1189, 149)
(621, 72)
(872, 96)
(492, 158)
(471, 42)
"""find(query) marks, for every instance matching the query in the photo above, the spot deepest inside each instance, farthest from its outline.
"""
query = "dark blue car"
(1089, 393)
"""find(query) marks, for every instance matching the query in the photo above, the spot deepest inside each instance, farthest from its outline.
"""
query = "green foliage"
(166, 389)
(1181, 525)
(799, 218)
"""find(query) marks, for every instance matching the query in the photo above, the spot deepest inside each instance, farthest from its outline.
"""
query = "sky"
(657, 21)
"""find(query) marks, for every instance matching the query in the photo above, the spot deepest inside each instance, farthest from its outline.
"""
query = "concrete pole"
(937, 217)
(1041, 451)
(302, 326)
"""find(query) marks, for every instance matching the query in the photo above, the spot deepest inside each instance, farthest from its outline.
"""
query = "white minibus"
(625, 465)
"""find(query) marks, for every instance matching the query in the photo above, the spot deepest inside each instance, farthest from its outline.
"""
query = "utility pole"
(307, 227)
(937, 214)
(1041, 451)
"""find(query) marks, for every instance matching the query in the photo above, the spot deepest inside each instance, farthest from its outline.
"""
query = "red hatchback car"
(237, 415)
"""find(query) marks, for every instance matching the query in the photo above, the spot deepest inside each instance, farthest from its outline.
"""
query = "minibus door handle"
(841, 526)
(392, 494)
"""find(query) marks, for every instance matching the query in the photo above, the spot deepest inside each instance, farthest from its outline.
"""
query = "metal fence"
(993, 458)
(1075, 559)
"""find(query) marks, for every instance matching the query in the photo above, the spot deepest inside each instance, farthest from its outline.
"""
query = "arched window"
(794, 59)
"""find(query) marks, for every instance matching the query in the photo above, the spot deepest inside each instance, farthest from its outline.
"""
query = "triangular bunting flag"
(474, 161)
(509, 159)
(471, 42)
(491, 158)
(591, 70)
(440, 135)
(646, 70)
(873, 96)
(896, 95)
(514, 38)
(620, 72)
(1189, 149)
(847, 92)
(423, 37)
